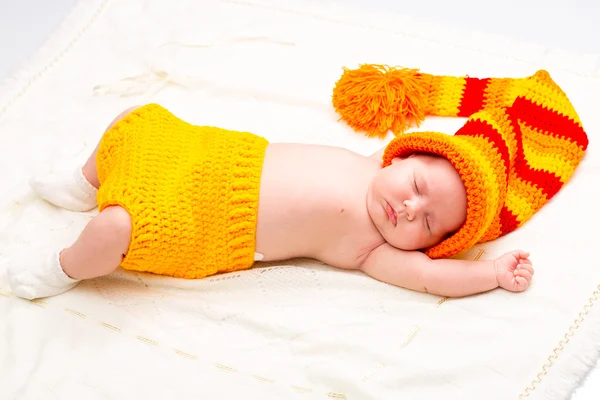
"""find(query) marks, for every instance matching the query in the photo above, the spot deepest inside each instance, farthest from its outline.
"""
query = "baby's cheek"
(418, 237)
(408, 238)
(398, 192)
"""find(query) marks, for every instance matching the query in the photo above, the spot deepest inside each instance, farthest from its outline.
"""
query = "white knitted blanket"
(299, 329)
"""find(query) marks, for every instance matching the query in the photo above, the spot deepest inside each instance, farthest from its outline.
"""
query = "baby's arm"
(448, 277)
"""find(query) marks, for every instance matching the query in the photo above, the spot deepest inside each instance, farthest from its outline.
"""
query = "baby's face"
(417, 201)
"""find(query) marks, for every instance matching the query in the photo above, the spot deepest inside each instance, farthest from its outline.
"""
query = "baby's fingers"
(526, 267)
(521, 283)
(520, 254)
(525, 261)
(524, 273)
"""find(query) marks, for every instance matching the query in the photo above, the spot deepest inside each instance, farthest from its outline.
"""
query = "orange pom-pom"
(376, 98)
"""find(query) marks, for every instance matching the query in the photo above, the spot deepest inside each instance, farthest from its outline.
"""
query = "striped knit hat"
(521, 143)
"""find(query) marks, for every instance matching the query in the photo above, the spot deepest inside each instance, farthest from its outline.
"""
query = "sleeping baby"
(189, 201)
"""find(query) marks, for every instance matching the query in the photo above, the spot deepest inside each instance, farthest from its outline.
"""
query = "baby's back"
(313, 204)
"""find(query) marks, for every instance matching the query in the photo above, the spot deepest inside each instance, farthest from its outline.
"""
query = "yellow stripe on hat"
(524, 199)
(500, 92)
(446, 93)
(491, 161)
(542, 90)
(498, 119)
(551, 157)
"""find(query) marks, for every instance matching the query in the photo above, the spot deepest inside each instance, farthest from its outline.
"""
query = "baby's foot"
(65, 187)
(39, 279)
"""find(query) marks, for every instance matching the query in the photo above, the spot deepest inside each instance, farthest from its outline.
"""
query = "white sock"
(66, 187)
(43, 279)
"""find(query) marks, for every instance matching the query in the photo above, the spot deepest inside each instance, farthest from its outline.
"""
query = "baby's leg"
(98, 251)
(69, 185)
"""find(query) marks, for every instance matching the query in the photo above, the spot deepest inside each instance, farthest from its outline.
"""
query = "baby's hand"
(513, 271)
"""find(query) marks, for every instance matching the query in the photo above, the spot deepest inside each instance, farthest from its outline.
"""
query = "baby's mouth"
(391, 213)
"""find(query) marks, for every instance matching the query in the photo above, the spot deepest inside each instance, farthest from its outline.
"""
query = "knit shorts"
(191, 191)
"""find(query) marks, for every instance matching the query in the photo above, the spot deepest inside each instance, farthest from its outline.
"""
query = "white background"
(25, 24)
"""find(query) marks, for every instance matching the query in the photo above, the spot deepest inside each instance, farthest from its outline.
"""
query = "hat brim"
(476, 172)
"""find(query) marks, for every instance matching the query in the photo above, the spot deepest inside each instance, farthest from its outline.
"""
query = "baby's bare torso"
(313, 204)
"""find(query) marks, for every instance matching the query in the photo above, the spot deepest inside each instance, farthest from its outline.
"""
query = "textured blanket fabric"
(298, 329)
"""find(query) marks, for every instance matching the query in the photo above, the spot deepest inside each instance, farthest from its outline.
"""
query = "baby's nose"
(413, 208)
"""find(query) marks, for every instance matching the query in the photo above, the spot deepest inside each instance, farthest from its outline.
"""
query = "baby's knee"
(116, 224)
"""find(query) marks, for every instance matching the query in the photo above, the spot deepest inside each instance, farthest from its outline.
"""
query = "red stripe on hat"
(478, 127)
(547, 181)
(508, 221)
(473, 96)
(547, 120)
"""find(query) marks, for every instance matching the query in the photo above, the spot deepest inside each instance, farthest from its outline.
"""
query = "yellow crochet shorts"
(191, 191)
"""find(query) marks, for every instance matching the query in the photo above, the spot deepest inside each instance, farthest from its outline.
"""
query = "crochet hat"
(521, 143)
